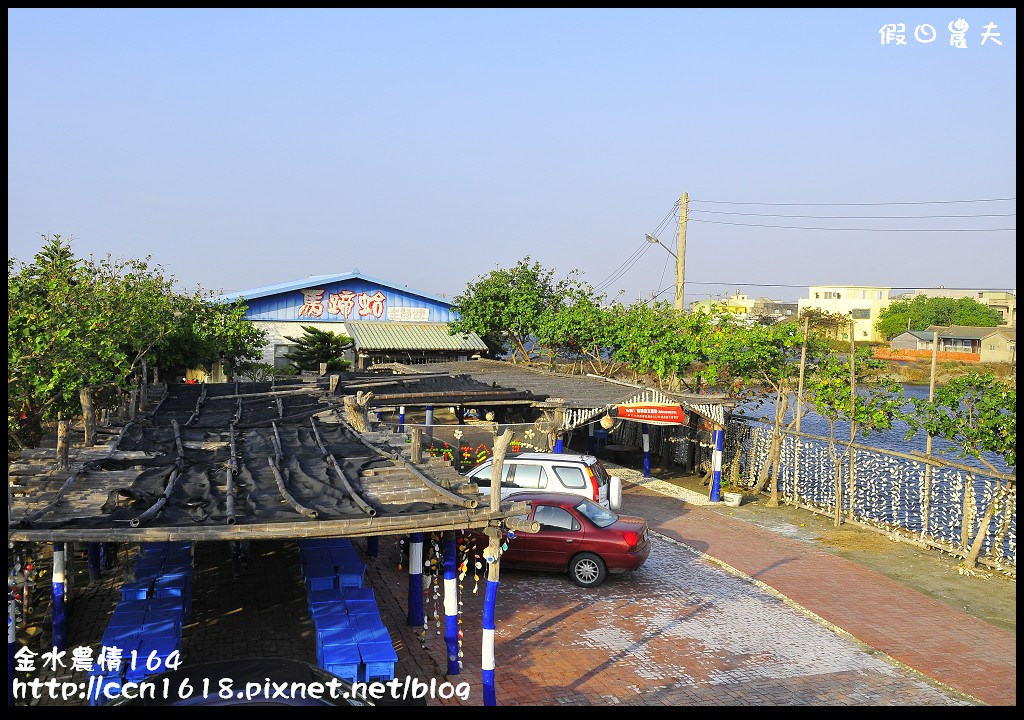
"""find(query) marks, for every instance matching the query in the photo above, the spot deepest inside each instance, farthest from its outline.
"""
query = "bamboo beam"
(365, 527)
(396, 457)
(158, 505)
(332, 462)
(295, 504)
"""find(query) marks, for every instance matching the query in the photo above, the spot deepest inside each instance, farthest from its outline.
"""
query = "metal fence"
(926, 500)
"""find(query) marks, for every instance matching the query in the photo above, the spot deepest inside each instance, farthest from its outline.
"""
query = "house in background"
(990, 344)
(744, 308)
(912, 340)
(863, 302)
(388, 322)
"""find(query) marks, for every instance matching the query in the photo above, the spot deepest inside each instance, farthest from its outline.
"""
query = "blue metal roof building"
(342, 303)
(337, 298)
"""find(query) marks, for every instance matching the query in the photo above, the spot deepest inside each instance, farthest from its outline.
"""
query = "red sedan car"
(577, 536)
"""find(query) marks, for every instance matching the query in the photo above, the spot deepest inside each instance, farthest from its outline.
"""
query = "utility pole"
(684, 201)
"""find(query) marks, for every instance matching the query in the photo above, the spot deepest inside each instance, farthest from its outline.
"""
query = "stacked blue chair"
(147, 620)
(351, 640)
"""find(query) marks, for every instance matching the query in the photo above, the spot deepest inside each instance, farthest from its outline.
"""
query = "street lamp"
(656, 241)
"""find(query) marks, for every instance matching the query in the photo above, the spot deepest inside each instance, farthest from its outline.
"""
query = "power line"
(803, 227)
(855, 217)
(858, 204)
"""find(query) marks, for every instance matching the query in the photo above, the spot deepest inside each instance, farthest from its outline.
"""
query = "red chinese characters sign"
(342, 303)
(650, 413)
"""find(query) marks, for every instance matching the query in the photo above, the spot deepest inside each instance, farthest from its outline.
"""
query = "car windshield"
(597, 514)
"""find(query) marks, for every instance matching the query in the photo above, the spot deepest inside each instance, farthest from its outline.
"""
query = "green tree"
(872, 407)
(920, 311)
(59, 340)
(580, 328)
(509, 304)
(316, 346)
(975, 413)
(764, 363)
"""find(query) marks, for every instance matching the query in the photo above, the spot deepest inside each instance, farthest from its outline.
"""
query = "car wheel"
(587, 570)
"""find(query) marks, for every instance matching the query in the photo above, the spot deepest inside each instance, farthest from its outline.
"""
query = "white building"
(863, 302)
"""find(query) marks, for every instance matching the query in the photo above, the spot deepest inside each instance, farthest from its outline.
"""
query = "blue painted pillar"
(416, 579)
(647, 451)
(59, 611)
(559, 447)
(401, 419)
(12, 645)
(379, 416)
(95, 566)
(487, 656)
(590, 439)
(451, 604)
(716, 465)
(105, 560)
(430, 423)
(372, 546)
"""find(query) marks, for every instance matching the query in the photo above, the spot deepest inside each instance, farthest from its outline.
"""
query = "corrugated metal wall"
(286, 305)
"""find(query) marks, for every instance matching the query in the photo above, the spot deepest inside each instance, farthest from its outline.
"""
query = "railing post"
(416, 580)
(12, 646)
(59, 612)
(647, 451)
(451, 604)
(716, 465)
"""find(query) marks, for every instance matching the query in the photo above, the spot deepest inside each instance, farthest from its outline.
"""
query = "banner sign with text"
(650, 413)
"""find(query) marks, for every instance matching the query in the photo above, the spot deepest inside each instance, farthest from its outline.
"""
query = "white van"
(569, 473)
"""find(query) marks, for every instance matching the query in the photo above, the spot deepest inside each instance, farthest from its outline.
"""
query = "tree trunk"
(773, 501)
(499, 446)
(972, 556)
(133, 398)
(772, 461)
(62, 443)
(144, 388)
(88, 416)
(355, 410)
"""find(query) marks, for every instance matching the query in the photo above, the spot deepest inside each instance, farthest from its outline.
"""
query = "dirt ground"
(988, 595)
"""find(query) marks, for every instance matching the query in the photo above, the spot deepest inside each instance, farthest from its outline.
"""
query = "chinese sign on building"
(344, 303)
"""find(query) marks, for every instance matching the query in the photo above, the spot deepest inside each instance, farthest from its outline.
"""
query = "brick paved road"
(678, 631)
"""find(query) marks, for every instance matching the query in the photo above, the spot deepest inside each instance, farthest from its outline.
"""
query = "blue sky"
(242, 148)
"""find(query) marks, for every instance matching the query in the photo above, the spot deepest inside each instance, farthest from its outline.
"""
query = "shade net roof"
(171, 469)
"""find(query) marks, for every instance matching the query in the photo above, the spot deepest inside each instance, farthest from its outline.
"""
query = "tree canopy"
(75, 324)
(974, 412)
(509, 304)
(920, 311)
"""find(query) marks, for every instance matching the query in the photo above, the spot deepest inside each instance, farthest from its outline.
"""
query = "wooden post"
(333, 383)
(88, 416)
(417, 445)
(799, 413)
(62, 442)
(451, 604)
(132, 403)
(927, 490)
